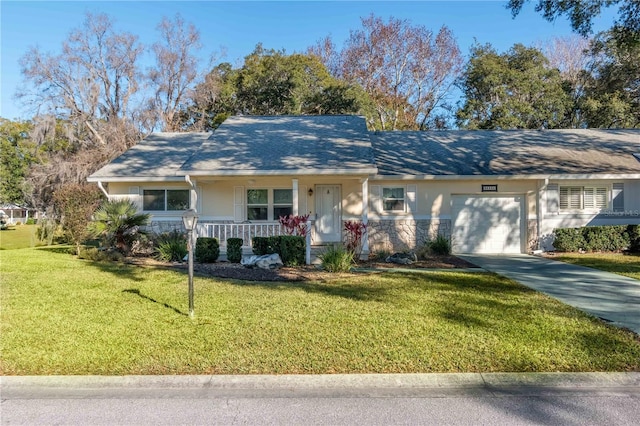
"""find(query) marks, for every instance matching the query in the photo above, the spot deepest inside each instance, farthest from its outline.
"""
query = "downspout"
(193, 199)
(102, 189)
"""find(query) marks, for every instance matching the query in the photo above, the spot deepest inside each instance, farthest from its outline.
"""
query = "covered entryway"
(486, 224)
(328, 225)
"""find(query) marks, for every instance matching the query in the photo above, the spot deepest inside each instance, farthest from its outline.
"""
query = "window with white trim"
(165, 199)
(393, 199)
(269, 204)
(583, 197)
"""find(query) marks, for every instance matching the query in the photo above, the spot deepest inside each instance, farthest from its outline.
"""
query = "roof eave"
(581, 176)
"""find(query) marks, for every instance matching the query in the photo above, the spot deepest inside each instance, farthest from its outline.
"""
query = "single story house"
(489, 191)
(14, 214)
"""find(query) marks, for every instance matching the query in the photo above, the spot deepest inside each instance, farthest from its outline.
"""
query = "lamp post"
(190, 219)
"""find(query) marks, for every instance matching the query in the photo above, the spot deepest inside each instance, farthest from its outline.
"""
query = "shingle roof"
(509, 152)
(158, 155)
(341, 144)
(336, 144)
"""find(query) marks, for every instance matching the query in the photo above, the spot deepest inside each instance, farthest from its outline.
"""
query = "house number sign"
(489, 188)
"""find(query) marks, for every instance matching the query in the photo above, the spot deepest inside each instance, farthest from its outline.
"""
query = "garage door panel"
(486, 224)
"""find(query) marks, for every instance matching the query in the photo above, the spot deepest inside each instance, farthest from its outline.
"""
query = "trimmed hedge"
(291, 248)
(207, 250)
(598, 238)
(234, 250)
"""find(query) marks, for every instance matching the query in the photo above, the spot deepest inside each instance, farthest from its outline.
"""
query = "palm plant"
(118, 223)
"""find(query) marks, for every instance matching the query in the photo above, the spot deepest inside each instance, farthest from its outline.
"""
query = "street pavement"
(372, 399)
(613, 298)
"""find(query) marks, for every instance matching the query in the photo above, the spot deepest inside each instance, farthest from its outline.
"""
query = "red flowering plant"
(294, 225)
(354, 231)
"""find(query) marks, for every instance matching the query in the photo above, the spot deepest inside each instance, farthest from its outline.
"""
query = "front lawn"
(618, 263)
(61, 315)
(19, 236)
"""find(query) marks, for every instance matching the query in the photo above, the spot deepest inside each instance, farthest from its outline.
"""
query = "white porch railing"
(246, 231)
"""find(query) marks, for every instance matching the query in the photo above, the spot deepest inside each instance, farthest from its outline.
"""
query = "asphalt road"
(467, 399)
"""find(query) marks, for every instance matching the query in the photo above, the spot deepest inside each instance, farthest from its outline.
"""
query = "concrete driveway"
(614, 298)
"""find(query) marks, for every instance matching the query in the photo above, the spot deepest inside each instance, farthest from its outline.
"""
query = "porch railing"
(246, 231)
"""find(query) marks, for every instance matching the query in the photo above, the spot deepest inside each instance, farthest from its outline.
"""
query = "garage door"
(483, 224)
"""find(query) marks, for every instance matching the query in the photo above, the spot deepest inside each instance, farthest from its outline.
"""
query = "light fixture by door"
(310, 192)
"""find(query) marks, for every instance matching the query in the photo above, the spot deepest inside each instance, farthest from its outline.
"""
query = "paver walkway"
(611, 297)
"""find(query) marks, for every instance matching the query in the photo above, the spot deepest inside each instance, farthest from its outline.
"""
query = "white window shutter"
(238, 203)
(302, 200)
(590, 198)
(375, 198)
(412, 199)
(553, 198)
(617, 197)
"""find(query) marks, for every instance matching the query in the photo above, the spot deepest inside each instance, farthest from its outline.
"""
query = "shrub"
(207, 250)
(633, 231)
(568, 239)
(605, 238)
(441, 245)
(118, 223)
(97, 255)
(337, 259)
(31, 221)
(171, 246)
(234, 249)
(354, 231)
(264, 245)
(294, 225)
(593, 238)
(75, 204)
(291, 249)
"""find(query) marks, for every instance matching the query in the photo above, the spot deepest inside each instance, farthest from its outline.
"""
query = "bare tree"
(90, 83)
(570, 55)
(405, 69)
(175, 70)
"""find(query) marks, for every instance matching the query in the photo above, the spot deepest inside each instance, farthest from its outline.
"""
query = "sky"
(234, 28)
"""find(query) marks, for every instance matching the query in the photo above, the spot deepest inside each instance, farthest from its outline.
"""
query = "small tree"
(74, 205)
(294, 225)
(118, 223)
(354, 232)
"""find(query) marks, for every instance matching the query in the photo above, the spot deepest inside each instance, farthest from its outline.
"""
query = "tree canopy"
(513, 90)
(270, 82)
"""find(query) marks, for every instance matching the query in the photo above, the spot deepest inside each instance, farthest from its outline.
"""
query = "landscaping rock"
(402, 258)
(267, 261)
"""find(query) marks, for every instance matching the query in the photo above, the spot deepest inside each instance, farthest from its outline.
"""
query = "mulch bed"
(301, 273)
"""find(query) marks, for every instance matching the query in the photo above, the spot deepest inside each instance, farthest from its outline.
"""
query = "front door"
(328, 224)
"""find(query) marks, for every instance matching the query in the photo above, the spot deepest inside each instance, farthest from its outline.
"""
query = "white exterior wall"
(567, 219)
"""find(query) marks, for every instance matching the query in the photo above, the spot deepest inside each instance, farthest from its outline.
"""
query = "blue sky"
(236, 27)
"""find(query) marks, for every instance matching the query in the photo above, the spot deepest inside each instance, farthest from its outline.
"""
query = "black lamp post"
(190, 219)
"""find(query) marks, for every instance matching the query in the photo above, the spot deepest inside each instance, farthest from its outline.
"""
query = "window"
(257, 204)
(165, 199)
(583, 198)
(267, 204)
(393, 199)
(282, 203)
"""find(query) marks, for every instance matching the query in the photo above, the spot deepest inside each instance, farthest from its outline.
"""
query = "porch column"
(365, 215)
(294, 185)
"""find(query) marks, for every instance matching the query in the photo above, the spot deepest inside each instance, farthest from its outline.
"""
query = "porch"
(247, 231)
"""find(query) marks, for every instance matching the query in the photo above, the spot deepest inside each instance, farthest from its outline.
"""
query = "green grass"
(19, 236)
(61, 315)
(618, 263)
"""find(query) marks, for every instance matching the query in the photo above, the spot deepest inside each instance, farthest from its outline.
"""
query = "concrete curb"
(332, 381)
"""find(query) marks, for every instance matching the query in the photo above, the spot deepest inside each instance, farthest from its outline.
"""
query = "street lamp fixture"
(190, 219)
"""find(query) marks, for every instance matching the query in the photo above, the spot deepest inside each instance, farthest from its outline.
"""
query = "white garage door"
(484, 224)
